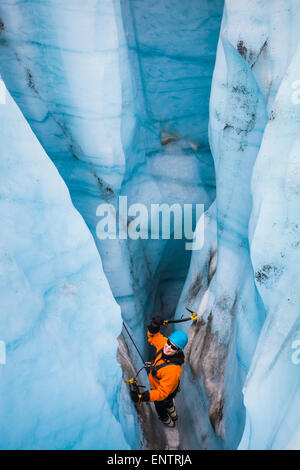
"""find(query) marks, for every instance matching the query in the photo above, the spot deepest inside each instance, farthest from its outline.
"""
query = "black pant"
(162, 405)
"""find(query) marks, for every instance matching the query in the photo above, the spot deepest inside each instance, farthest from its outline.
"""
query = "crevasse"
(162, 103)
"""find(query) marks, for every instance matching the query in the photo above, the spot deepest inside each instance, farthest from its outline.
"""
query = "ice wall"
(272, 389)
(69, 87)
(59, 386)
(224, 338)
(250, 293)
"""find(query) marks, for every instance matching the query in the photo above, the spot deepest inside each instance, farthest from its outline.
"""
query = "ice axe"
(192, 317)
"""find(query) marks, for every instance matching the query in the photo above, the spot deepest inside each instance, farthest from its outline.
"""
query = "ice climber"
(165, 371)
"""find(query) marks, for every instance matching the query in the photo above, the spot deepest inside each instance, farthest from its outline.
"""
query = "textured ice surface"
(272, 390)
(122, 109)
(251, 293)
(60, 385)
(225, 294)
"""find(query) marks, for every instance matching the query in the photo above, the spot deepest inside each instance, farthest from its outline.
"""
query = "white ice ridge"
(243, 352)
(59, 385)
(2, 92)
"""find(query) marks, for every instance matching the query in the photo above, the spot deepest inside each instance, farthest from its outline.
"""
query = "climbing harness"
(158, 357)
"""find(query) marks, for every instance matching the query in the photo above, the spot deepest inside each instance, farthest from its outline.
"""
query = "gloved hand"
(155, 324)
(143, 396)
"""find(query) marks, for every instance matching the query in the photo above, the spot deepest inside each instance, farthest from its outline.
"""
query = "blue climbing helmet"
(179, 338)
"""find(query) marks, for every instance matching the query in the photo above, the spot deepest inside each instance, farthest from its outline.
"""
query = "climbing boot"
(172, 413)
(168, 422)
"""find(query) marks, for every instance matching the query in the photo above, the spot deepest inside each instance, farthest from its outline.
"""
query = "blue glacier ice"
(60, 384)
(163, 103)
(272, 389)
(227, 293)
(243, 352)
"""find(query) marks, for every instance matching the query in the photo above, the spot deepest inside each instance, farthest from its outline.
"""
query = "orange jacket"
(167, 379)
